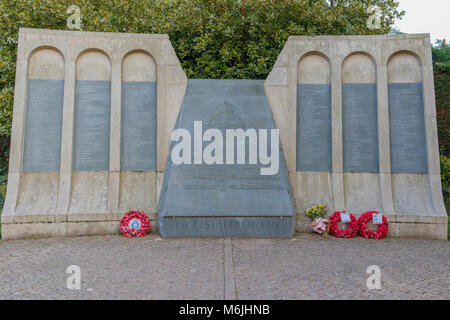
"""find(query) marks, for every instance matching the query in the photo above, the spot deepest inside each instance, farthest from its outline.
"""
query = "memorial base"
(60, 229)
(236, 227)
(431, 228)
(210, 227)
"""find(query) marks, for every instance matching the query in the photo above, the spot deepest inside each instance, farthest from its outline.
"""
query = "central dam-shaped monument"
(94, 115)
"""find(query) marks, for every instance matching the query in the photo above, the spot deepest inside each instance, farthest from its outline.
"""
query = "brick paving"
(306, 267)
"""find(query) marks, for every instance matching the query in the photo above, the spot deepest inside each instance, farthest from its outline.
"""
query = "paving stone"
(306, 267)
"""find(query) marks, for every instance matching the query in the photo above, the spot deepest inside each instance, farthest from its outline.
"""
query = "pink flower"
(319, 225)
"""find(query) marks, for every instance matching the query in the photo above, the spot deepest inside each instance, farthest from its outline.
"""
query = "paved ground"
(307, 267)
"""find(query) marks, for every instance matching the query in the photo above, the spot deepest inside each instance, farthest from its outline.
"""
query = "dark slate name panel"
(42, 144)
(227, 227)
(314, 128)
(222, 190)
(138, 150)
(407, 125)
(92, 122)
(360, 127)
(225, 190)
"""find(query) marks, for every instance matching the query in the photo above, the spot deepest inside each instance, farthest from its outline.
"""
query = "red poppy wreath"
(340, 233)
(382, 230)
(135, 224)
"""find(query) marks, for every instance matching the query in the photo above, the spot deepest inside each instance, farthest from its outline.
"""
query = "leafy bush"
(442, 92)
(445, 177)
(441, 54)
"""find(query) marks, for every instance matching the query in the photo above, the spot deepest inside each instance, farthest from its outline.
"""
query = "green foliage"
(445, 178)
(442, 92)
(213, 39)
(441, 54)
(441, 66)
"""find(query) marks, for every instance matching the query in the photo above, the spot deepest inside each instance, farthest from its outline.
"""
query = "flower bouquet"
(320, 224)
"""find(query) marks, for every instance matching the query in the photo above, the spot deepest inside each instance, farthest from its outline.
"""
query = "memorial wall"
(92, 118)
(384, 146)
(94, 113)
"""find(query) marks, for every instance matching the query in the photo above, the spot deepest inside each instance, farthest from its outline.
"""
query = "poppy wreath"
(135, 224)
(381, 232)
(340, 233)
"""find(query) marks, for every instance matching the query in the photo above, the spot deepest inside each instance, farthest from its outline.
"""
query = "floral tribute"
(382, 230)
(320, 223)
(341, 233)
(135, 224)
(316, 212)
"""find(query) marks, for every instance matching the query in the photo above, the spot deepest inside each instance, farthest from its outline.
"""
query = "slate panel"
(360, 127)
(138, 139)
(42, 143)
(92, 125)
(407, 128)
(314, 128)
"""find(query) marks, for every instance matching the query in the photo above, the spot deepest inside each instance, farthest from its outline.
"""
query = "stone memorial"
(225, 199)
(385, 153)
(101, 121)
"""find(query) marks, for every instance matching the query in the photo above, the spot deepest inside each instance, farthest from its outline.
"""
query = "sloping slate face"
(225, 200)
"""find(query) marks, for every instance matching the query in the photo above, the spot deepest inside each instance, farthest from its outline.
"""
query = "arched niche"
(46, 63)
(314, 114)
(43, 131)
(138, 66)
(45, 97)
(139, 97)
(360, 133)
(359, 68)
(93, 65)
(138, 132)
(92, 111)
(406, 114)
(409, 165)
(314, 68)
(404, 67)
(359, 114)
